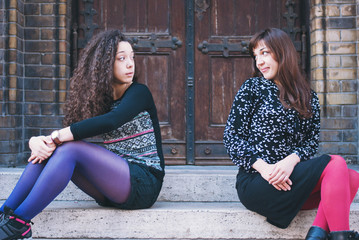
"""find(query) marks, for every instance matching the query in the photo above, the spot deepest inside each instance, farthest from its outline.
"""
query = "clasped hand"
(41, 147)
(278, 174)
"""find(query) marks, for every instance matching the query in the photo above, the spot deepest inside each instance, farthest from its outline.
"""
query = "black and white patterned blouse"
(259, 126)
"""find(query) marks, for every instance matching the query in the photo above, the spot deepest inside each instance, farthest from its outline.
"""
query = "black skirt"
(280, 207)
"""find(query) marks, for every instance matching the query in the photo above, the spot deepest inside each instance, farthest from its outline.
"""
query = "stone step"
(181, 183)
(167, 220)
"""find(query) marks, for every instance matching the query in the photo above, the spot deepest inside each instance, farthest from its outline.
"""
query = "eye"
(121, 58)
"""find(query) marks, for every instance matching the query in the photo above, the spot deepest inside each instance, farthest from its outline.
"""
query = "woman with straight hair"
(272, 134)
(127, 172)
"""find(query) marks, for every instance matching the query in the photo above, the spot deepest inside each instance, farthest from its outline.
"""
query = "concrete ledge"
(181, 183)
(168, 220)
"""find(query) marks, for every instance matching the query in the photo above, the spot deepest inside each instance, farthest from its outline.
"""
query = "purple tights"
(95, 170)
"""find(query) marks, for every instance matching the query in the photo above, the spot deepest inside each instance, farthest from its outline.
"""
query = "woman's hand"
(41, 147)
(266, 170)
(282, 170)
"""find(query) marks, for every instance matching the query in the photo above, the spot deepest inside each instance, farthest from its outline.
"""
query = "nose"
(259, 60)
(130, 63)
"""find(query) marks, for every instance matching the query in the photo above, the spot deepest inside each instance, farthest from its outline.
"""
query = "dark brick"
(32, 58)
(32, 9)
(349, 86)
(43, 121)
(350, 111)
(350, 136)
(40, 21)
(9, 146)
(30, 132)
(32, 33)
(14, 108)
(8, 160)
(345, 23)
(47, 9)
(330, 136)
(39, 96)
(48, 84)
(47, 34)
(338, 148)
(32, 84)
(48, 109)
(39, 71)
(338, 123)
(48, 59)
(32, 109)
(40, 46)
(8, 134)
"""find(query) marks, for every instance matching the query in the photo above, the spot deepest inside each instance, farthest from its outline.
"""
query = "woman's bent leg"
(106, 171)
(24, 185)
(338, 187)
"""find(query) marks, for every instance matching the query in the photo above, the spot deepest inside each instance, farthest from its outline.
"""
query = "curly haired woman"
(272, 133)
(126, 173)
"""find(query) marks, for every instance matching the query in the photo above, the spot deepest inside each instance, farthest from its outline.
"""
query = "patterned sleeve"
(236, 132)
(310, 142)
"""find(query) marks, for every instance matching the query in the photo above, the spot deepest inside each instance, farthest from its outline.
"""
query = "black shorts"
(145, 188)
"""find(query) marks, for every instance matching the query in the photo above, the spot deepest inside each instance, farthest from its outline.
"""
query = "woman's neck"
(119, 90)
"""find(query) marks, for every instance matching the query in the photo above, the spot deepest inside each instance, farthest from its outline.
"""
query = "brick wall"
(34, 73)
(334, 39)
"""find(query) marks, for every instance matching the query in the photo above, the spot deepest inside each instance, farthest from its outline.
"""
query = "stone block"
(341, 48)
(348, 10)
(40, 21)
(348, 61)
(32, 33)
(350, 111)
(350, 136)
(40, 46)
(340, 74)
(341, 23)
(333, 111)
(349, 85)
(40, 71)
(32, 9)
(332, 86)
(348, 35)
(43, 121)
(32, 109)
(39, 96)
(332, 11)
(48, 9)
(341, 98)
(32, 58)
(338, 123)
(331, 136)
(48, 34)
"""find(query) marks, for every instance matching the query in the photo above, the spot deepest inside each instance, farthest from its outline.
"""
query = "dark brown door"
(160, 31)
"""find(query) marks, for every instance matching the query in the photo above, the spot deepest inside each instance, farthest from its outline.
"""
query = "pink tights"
(333, 195)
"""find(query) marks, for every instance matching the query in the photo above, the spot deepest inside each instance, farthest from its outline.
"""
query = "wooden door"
(157, 30)
(193, 56)
(223, 29)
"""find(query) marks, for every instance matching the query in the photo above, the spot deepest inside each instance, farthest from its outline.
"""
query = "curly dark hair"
(91, 91)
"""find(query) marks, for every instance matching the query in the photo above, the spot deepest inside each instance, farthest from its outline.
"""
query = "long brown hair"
(294, 89)
(91, 92)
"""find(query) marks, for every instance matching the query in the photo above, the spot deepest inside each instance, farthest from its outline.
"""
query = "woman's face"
(124, 66)
(265, 61)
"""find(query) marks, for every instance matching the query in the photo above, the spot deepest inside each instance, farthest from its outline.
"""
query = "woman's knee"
(68, 150)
